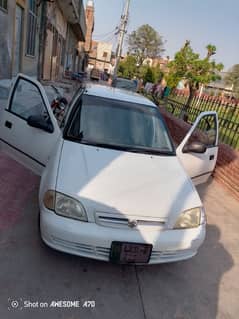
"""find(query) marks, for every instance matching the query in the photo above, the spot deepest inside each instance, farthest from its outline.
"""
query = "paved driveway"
(206, 286)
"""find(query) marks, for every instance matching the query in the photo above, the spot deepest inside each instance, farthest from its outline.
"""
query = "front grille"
(83, 249)
(128, 221)
(103, 252)
(168, 255)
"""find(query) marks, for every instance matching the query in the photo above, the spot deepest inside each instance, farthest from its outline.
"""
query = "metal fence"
(227, 110)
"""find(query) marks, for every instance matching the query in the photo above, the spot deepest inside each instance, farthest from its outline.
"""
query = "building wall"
(72, 58)
(104, 51)
(28, 65)
(55, 43)
(89, 26)
(6, 40)
(63, 52)
(53, 48)
(100, 56)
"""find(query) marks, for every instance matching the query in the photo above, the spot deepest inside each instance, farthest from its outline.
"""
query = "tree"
(232, 78)
(128, 67)
(144, 43)
(158, 74)
(211, 50)
(187, 65)
(149, 76)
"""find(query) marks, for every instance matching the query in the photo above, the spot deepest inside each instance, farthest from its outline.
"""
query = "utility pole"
(122, 31)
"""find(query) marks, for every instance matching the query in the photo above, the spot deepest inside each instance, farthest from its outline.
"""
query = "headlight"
(190, 218)
(64, 205)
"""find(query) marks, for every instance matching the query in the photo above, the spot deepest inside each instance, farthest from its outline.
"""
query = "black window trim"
(76, 108)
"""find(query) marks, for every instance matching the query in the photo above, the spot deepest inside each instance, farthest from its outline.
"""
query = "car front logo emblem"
(132, 223)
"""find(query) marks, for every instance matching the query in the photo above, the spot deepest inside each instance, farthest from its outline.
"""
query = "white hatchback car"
(112, 185)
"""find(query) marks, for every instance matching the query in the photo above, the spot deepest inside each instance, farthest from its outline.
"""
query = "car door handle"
(8, 124)
(211, 157)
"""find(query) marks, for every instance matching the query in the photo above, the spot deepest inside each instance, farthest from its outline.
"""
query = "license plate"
(127, 253)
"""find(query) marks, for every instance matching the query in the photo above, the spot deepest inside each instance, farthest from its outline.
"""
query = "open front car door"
(198, 150)
(28, 127)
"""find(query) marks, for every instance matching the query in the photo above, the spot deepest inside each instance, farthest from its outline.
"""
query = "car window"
(205, 132)
(27, 100)
(120, 124)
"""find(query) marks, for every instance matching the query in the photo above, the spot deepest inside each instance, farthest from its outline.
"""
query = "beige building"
(154, 62)
(55, 42)
(100, 56)
(41, 38)
(99, 53)
(65, 29)
(19, 37)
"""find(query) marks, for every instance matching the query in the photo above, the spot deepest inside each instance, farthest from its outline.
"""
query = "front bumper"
(94, 241)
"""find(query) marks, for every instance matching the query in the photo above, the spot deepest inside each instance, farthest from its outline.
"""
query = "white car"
(113, 187)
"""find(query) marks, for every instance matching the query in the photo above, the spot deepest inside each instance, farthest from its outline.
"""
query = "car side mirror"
(195, 147)
(39, 121)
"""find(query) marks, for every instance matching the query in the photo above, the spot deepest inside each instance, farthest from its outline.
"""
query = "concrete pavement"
(204, 287)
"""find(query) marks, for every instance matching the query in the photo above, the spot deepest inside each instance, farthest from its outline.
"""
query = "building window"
(3, 4)
(63, 52)
(105, 55)
(32, 27)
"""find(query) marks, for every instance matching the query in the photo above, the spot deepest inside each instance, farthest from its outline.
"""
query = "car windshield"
(120, 125)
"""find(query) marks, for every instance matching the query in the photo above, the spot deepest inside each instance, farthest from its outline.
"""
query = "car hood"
(113, 181)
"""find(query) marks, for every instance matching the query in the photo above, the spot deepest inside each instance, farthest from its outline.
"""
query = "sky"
(200, 21)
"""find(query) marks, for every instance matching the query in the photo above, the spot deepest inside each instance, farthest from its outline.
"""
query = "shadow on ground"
(190, 289)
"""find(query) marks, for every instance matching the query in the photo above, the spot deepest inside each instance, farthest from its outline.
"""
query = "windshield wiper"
(127, 148)
(149, 151)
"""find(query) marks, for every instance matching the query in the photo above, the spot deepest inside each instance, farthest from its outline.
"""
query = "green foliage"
(150, 74)
(232, 78)
(172, 79)
(188, 65)
(128, 67)
(148, 77)
(211, 50)
(157, 74)
(144, 43)
(142, 70)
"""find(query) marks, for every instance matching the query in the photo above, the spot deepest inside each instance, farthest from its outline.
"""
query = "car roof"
(117, 94)
(124, 79)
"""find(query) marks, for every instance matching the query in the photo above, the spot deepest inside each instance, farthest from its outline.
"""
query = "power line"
(122, 31)
(105, 34)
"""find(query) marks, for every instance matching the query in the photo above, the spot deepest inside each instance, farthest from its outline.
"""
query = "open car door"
(198, 150)
(28, 127)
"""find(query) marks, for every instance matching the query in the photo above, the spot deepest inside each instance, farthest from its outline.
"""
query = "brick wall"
(227, 168)
(89, 13)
